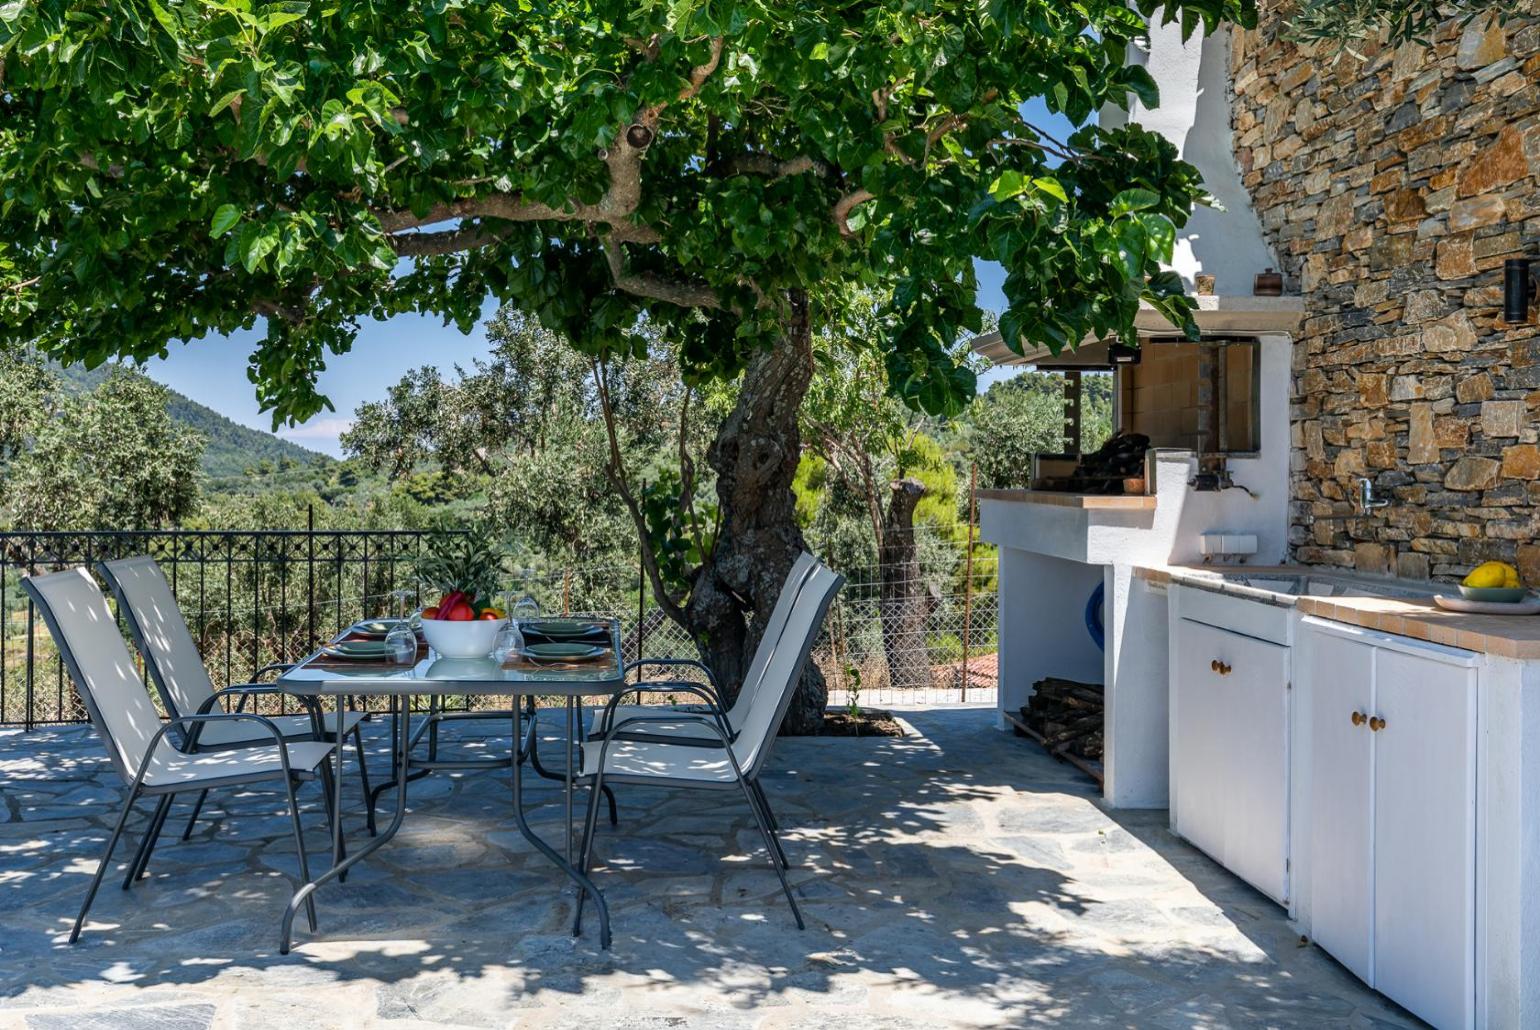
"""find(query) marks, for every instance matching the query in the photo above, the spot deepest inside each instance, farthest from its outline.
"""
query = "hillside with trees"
(230, 450)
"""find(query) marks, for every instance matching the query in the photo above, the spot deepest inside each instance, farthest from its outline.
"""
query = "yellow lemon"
(1511, 579)
(1488, 574)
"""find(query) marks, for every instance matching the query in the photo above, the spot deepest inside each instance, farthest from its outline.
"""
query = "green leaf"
(225, 101)
(1131, 200)
(1052, 187)
(165, 19)
(225, 219)
(255, 246)
(1008, 184)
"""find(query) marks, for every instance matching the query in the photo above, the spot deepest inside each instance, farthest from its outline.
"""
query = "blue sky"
(213, 371)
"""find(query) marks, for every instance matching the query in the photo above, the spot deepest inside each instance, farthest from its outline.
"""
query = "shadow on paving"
(957, 877)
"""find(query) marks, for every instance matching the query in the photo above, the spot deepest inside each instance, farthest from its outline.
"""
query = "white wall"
(1138, 702)
(1042, 623)
(1194, 114)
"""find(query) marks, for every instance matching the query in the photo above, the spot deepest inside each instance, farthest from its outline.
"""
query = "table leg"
(567, 776)
(575, 874)
(341, 741)
(401, 755)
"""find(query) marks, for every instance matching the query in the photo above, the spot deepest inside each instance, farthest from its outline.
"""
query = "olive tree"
(171, 169)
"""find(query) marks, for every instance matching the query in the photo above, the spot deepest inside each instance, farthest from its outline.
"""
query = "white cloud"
(319, 431)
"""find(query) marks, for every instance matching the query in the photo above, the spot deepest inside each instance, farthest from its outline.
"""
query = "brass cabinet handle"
(1224, 670)
(1359, 718)
(1376, 724)
(1214, 665)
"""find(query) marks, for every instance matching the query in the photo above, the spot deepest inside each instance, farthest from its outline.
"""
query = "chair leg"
(363, 778)
(101, 870)
(141, 859)
(771, 846)
(586, 847)
(192, 820)
(609, 795)
(771, 822)
(764, 803)
(299, 846)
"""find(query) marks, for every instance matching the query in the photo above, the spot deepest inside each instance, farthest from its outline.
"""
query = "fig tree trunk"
(901, 597)
(755, 456)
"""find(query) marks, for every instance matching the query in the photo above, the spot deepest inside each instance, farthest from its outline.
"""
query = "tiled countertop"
(1116, 502)
(1506, 636)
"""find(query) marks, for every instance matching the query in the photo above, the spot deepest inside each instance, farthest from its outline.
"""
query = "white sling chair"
(76, 614)
(709, 693)
(735, 761)
(160, 632)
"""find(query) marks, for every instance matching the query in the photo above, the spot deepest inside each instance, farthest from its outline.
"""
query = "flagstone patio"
(957, 877)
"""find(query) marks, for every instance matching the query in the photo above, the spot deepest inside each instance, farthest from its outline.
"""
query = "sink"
(1316, 584)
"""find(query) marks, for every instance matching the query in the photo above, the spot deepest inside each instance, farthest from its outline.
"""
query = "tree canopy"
(1347, 23)
(170, 169)
(110, 458)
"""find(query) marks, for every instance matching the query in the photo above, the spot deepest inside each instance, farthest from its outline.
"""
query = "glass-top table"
(522, 679)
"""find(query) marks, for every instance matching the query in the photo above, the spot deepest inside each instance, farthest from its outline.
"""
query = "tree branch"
(848, 203)
(756, 162)
(654, 287)
(616, 470)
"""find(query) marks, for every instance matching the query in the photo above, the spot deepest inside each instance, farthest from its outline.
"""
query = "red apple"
(430, 612)
(461, 612)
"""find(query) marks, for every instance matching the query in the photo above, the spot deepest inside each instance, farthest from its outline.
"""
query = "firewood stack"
(1068, 716)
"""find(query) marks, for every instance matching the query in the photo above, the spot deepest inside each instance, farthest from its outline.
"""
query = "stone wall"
(1392, 189)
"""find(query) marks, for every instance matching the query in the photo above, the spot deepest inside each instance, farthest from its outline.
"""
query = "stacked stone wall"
(1392, 189)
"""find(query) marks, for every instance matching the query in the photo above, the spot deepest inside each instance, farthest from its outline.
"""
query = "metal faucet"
(1366, 501)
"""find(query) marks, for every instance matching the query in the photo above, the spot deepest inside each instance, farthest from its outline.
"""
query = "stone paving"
(957, 877)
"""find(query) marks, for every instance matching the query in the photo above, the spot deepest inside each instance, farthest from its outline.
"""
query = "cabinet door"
(1256, 780)
(1198, 756)
(1339, 676)
(1424, 837)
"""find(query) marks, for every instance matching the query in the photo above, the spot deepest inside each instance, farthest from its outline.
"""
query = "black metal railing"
(250, 598)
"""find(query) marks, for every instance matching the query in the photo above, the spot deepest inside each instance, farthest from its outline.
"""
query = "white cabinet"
(1229, 710)
(1391, 825)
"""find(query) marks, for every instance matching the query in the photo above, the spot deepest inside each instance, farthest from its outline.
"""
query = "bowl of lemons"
(1493, 581)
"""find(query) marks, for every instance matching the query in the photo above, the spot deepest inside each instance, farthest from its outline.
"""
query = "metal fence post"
(967, 626)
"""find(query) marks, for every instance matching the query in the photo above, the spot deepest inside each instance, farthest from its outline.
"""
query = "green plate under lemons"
(562, 652)
(358, 650)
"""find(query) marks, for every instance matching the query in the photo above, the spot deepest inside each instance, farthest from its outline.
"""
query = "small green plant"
(469, 563)
(853, 692)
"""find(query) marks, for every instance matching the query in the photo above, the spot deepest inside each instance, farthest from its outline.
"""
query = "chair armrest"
(198, 720)
(273, 667)
(673, 663)
(244, 691)
(667, 687)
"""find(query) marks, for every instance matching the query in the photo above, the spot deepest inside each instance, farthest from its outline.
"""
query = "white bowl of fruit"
(457, 627)
(464, 623)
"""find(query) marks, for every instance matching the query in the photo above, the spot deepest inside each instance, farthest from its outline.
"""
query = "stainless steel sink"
(1315, 584)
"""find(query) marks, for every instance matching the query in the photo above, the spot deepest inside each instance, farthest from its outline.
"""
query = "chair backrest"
(768, 708)
(75, 611)
(159, 631)
(774, 631)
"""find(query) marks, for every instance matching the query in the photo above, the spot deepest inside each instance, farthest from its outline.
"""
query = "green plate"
(566, 652)
(378, 628)
(565, 628)
(360, 649)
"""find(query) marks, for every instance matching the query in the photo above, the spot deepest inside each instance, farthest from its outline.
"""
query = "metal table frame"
(473, 677)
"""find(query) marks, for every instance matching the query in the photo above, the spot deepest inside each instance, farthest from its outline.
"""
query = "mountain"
(232, 448)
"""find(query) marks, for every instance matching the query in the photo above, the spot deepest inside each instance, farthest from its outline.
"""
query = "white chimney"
(1194, 114)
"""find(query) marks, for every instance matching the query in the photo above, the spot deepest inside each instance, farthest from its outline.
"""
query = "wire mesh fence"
(252, 599)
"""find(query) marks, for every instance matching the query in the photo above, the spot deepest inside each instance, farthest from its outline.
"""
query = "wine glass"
(509, 642)
(401, 643)
(525, 609)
